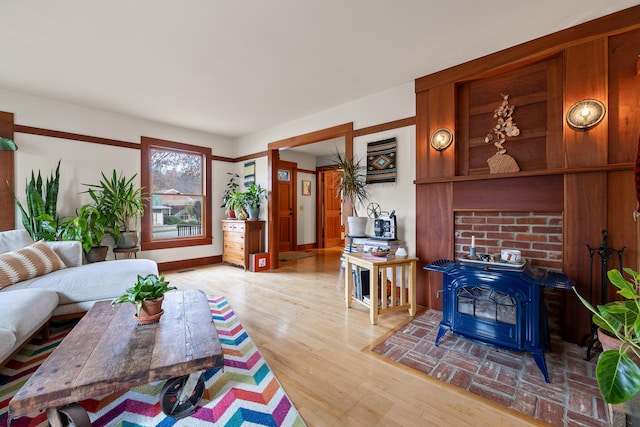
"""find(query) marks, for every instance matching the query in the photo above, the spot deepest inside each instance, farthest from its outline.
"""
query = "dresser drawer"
(235, 227)
(230, 236)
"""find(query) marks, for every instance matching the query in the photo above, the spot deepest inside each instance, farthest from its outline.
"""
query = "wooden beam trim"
(75, 136)
(396, 124)
(311, 137)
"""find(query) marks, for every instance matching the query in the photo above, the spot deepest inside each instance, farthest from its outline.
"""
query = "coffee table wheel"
(170, 397)
(74, 415)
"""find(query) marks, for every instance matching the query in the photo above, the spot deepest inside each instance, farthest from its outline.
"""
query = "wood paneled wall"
(588, 175)
(7, 210)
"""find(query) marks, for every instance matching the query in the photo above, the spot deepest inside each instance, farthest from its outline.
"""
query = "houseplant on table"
(146, 295)
(232, 187)
(352, 187)
(253, 197)
(121, 204)
(237, 201)
(617, 371)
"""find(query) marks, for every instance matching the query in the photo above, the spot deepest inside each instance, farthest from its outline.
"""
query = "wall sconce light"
(7, 144)
(585, 114)
(441, 139)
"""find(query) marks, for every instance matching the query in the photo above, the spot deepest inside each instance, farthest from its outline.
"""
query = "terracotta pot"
(231, 214)
(151, 311)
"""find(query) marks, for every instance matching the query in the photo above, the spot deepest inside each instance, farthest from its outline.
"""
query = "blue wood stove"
(500, 306)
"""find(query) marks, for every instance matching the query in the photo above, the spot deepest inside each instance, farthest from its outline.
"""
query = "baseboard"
(305, 247)
(189, 263)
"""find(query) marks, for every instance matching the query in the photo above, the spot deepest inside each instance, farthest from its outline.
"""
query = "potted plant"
(617, 370)
(352, 187)
(42, 203)
(121, 204)
(253, 197)
(232, 187)
(146, 295)
(237, 202)
(87, 227)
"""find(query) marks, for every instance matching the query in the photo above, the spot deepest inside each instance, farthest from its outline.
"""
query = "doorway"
(330, 228)
(344, 131)
(286, 202)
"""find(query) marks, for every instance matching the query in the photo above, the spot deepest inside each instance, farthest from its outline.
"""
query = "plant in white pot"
(352, 187)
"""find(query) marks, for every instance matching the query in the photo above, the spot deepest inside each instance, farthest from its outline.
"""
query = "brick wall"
(537, 235)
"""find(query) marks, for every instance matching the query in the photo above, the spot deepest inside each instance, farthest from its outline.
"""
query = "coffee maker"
(385, 226)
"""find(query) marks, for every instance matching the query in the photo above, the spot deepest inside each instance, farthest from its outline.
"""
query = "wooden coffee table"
(108, 351)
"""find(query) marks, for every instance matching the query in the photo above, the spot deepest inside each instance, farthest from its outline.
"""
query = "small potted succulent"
(617, 371)
(147, 295)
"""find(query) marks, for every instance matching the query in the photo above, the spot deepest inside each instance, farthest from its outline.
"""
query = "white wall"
(393, 104)
(83, 162)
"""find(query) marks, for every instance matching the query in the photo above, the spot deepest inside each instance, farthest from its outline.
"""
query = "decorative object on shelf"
(585, 114)
(7, 144)
(502, 162)
(147, 295)
(381, 161)
(249, 173)
(306, 187)
(441, 139)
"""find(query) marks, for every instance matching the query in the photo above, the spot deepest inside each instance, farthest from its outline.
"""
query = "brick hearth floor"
(511, 379)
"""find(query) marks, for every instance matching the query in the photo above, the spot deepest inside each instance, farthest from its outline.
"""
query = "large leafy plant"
(87, 227)
(352, 185)
(617, 372)
(39, 217)
(119, 201)
(146, 288)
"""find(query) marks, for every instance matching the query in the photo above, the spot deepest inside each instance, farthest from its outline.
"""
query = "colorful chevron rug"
(246, 392)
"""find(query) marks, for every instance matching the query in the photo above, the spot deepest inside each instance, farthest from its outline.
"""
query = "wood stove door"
(491, 313)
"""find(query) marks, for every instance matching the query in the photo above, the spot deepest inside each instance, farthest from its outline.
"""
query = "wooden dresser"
(241, 239)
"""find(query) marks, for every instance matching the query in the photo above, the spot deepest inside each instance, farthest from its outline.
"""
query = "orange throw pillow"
(31, 261)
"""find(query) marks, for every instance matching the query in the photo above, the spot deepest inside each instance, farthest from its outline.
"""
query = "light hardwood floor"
(319, 349)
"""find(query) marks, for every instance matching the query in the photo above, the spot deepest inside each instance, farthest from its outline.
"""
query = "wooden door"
(286, 203)
(332, 227)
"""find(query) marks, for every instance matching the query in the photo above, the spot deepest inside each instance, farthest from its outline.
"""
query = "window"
(176, 178)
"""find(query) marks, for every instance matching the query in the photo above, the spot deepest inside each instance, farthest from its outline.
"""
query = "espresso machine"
(385, 226)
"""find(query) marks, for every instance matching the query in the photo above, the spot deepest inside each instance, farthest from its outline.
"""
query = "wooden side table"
(398, 279)
(128, 252)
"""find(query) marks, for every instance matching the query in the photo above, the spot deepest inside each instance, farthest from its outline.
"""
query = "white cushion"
(91, 282)
(24, 311)
(7, 343)
(14, 239)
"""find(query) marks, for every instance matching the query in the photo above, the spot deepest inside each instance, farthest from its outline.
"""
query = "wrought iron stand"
(605, 252)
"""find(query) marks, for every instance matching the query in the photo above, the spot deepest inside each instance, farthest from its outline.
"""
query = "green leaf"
(618, 377)
(7, 144)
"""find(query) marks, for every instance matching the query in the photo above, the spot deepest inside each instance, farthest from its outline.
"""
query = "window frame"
(146, 238)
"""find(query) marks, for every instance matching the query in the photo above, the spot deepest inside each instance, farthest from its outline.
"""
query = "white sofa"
(27, 306)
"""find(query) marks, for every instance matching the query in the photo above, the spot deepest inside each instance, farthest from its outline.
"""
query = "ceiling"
(236, 67)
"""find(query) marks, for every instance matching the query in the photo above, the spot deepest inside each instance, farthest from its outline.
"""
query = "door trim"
(273, 157)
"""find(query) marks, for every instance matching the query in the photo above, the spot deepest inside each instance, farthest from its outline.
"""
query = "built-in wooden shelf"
(544, 172)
